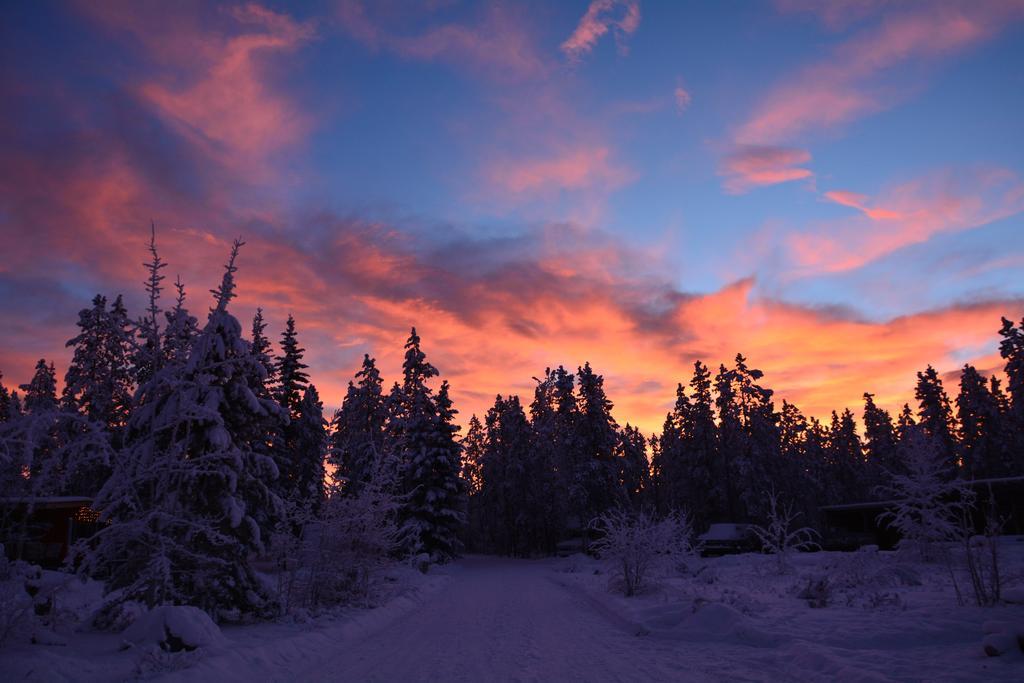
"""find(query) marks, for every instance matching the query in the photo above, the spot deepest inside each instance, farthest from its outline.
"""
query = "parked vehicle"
(726, 539)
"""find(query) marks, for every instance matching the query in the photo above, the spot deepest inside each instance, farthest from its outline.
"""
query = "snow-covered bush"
(928, 509)
(777, 538)
(636, 544)
(342, 550)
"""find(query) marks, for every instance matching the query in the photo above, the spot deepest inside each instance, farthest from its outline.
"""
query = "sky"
(833, 189)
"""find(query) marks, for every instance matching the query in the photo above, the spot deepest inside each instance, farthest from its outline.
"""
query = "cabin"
(852, 525)
(41, 530)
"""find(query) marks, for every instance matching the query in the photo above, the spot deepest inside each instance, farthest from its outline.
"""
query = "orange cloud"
(599, 19)
(494, 313)
(750, 166)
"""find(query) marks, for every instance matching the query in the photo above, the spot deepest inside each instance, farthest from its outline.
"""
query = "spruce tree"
(311, 443)
(357, 443)
(41, 391)
(5, 401)
(880, 443)
(261, 347)
(598, 437)
(936, 415)
(702, 449)
(982, 446)
(433, 512)
(147, 356)
(846, 458)
(180, 330)
(290, 370)
(634, 468)
(671, 465)
(98, 382)
(293, 460)
(190, 500)
(473, 445)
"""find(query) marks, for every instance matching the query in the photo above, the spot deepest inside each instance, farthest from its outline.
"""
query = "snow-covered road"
(506, 620)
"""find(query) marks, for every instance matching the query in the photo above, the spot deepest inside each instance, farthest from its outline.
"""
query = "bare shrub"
(341, 551)
(776, 537)
(636, 544)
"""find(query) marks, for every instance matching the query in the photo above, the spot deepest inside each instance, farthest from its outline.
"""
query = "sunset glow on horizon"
(834, 190)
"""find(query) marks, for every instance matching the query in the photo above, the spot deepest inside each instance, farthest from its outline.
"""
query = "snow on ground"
(257, 652)
(495, 619)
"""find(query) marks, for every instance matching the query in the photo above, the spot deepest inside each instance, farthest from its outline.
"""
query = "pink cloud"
(910, 213)
(751, 166)
(619, 16)
(496, 43)
(842, 87)
(683, 98)
(575, 169)
(229, 103)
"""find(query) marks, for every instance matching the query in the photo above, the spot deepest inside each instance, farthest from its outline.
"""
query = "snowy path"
(505, 620)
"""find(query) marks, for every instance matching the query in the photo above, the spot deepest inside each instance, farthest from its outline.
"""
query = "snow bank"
(703, 622)
(174, 628)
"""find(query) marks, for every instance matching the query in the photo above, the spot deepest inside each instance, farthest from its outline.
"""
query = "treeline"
(204, 450)
(724, 446)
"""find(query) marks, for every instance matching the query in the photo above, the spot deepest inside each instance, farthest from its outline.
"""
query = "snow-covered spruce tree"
(98, 383)
(1011, 348)
(48, 449)
(147, 355)
(880, 443)
(547, 440)
(701, 448)
(473, 447)
(190, 500)
(687, 447)
(514, 507)
(936, 416)
(634, 468)
(598, 436)
(423, 437)
(846, 458)
(180, 331)
(261, 349)
(671, 464)
(749, 441)
(357, 442)
(984, 443)
(927, 506)
(297, 457)
(311, 441)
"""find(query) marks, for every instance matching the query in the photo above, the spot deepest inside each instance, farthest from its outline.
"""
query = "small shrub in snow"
(817, 592)
(981, 555)
(776, 538)
(635, 544)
